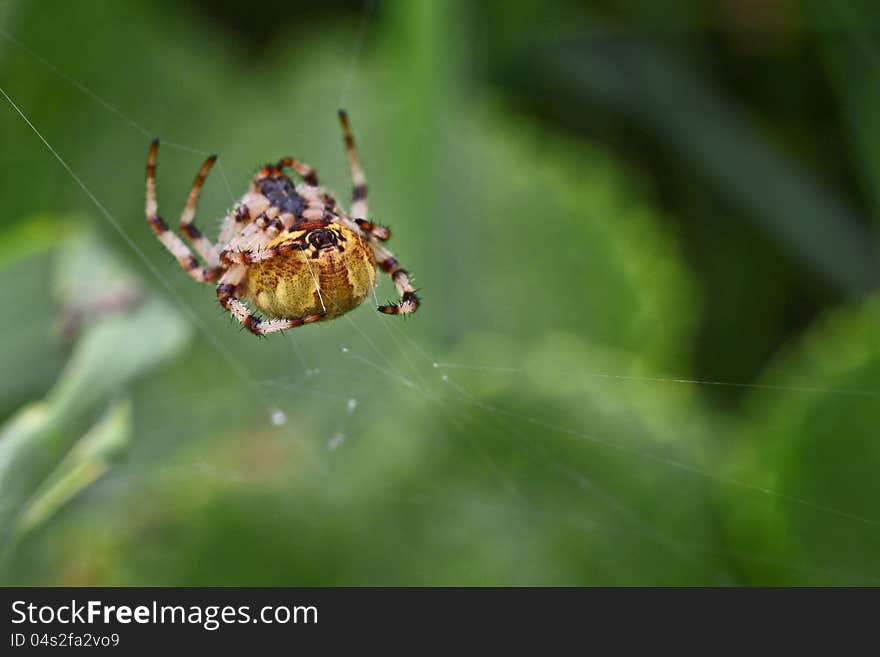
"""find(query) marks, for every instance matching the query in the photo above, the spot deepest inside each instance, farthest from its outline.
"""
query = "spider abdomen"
(327, 269)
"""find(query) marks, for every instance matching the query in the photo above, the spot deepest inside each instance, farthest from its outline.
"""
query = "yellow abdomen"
(331, 269)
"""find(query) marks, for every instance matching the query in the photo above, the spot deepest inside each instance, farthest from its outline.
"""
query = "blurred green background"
(603, 203)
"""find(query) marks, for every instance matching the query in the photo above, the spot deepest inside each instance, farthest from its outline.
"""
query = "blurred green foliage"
(598, 201)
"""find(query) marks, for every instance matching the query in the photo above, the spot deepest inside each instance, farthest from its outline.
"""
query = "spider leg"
(359, 207)
(259, 255)
(359, 193)
(260, 231)
(242, 248)
(265, 172)
(226, 296)
(382, 233)
(172, 242)
(201, 244)
(306, 172)
(232, 225)
(409, 300)
(253, 250)
(322, 206)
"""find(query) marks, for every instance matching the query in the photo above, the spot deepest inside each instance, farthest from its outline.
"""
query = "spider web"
(365, 384)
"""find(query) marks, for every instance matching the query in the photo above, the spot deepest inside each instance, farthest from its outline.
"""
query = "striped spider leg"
(170, 240)
(226, 289)
(409, 300)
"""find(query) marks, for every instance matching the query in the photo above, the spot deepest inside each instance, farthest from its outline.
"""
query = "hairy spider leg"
(409, 300)
(190, 231)
(244, 247)
(169, 240)
(306, 172)
(232, 225)
(256, 235)
(252, 255)
(359, 192)
(382, 233)
(226, 296)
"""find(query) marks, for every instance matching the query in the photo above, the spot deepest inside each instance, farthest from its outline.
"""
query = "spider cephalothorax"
(288, 248)
(281, 193)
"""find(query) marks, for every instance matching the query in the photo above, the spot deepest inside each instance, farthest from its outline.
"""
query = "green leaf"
(721, 146)
(87, 461)
(116, 346)
(811, 441)
(846, 34)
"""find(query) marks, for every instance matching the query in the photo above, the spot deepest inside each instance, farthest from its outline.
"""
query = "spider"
(288, 248)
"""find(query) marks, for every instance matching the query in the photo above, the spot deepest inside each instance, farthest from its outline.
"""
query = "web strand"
(668, 461)
(86, 91)
(356, 52)
(236, 367)
(678, 380)
(489, 408)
